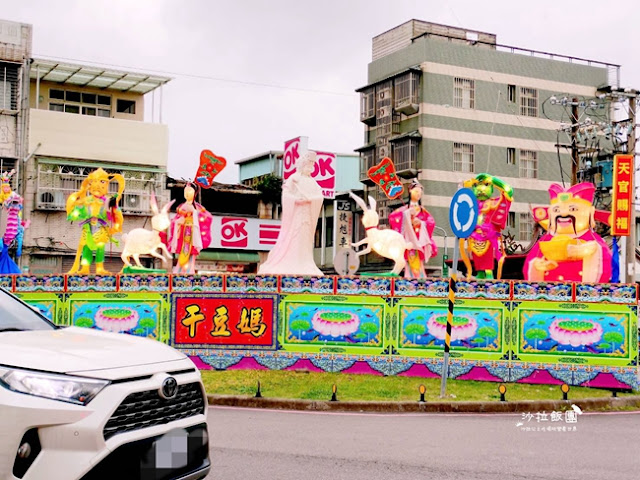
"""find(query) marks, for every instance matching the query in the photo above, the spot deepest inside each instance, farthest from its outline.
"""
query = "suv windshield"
(16, 315)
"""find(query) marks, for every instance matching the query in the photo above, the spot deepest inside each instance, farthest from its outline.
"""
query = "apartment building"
(15, 54)
(80, 118)
(448, 103)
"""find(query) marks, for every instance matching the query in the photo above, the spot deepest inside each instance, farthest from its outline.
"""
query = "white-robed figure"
(301, 203)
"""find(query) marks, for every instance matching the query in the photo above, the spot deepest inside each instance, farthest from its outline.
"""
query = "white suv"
(82, 404)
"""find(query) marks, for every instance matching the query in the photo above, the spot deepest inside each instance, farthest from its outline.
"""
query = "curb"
(588, 404)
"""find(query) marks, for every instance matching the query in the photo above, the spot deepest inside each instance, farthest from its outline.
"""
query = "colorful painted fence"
(581, 334)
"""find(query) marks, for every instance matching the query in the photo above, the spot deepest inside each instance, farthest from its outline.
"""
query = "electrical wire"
(201, 77)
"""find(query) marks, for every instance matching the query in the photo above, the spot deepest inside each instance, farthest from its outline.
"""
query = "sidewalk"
(610, 403)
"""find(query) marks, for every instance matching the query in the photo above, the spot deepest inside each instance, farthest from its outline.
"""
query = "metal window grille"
(367, 103)
(367, 160)
(463, 157)
(528, 102)
(463, 93)
(526, 227)
(528, 164)
(405, 154)
(56, 182)
(406, 89)
(9, 78)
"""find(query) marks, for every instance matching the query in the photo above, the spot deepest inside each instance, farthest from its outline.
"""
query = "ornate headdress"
(5, 177)
(582, 191)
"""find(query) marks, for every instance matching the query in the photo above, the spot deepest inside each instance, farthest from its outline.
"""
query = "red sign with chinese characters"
(622, 197)
(225, 320)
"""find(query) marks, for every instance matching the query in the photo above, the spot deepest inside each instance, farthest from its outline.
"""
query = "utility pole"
(630, 250)
(575, 158)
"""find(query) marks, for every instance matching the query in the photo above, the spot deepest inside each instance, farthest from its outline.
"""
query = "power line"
(201, 77)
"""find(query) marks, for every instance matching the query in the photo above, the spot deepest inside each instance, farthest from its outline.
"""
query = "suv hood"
(76, 349)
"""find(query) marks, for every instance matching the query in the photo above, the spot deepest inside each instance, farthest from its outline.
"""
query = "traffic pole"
(463, 218)
(453, 278)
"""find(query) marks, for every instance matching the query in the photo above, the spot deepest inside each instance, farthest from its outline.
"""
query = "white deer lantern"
(140, 241)
(386, 243)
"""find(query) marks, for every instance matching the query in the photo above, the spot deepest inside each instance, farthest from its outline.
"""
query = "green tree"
(299, 326)
(613, 338)
(84, 322)
(535, 334)
(415, 329)
(487, 333)
(147, 324)
(369, 328)
(270, 188)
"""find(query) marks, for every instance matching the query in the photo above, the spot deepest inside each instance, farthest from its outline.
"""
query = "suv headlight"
(65, 388)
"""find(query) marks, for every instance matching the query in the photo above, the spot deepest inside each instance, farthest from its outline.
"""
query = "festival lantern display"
(384, 175)
(13, 234)
(416, 225)
(210, 166)
(190, 232)
(386, 243)
(100, 217)
(5, 185)
(301, 204)
(141, 241)
(484, 245)
(570, 250)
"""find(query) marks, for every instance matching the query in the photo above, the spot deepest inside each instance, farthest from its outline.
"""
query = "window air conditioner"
(132, 202)
(51, 199)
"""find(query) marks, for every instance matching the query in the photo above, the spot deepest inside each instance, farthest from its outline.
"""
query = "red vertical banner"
(622, 197)
(208, 320)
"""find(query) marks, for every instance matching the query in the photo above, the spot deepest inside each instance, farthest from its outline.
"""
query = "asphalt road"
(281, 445)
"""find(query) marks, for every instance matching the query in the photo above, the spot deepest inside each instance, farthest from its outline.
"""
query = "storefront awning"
(226, 256)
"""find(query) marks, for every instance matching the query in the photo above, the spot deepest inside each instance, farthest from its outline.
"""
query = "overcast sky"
(250, 74)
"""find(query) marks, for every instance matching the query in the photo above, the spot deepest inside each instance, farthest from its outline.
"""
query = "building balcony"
(72, 136)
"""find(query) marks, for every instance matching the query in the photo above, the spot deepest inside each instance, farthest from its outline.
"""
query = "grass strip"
(306, 385)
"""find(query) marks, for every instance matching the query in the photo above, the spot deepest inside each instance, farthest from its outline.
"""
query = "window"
(9, 79)
(511, 93)
(511, 220)
(367, 103)
(329, 232)
(405, 154)
(526, 227)
(406, 91)
(528, 102)
(511, 156)
(72, 96)
(463, 93)
(126, 106)
(463, 158)
(367, 160)
(79, 102)
(89, 98)
(528, 164)
(56, 182)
